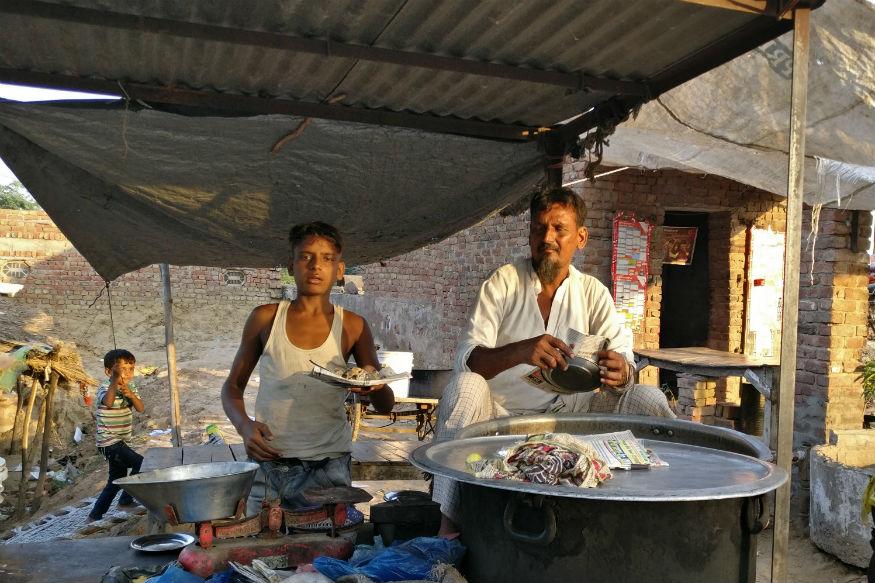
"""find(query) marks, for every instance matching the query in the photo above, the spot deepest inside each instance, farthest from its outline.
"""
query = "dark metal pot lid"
(581, 376)
(159, 543)
(694, 472)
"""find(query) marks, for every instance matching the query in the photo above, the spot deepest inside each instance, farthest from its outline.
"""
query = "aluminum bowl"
(197, 492)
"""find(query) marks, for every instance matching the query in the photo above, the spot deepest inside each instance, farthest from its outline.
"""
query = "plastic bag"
(413, 559)
(13, 364)
(175, 574)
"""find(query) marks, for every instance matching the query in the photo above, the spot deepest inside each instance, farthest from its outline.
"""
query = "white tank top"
(306, 415)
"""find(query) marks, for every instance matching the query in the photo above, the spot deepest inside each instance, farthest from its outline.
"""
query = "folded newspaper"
(622, 450)
(357, 377)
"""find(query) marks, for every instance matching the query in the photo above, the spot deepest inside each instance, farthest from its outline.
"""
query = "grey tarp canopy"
(733, 121)
(135, 187)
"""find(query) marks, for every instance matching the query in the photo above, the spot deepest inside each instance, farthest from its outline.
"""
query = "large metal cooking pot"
(693, 521)
(196, 492)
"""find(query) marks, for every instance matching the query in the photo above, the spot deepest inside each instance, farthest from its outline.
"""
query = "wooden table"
(707, 362)
(423, 409)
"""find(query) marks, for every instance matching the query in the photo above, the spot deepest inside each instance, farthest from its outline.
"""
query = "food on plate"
(356, 373)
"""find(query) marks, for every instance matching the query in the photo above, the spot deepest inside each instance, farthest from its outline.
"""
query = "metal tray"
(694, 472)
(159, 543)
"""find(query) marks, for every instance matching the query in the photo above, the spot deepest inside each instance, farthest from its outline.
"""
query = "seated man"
(300, 434)
(522, 313)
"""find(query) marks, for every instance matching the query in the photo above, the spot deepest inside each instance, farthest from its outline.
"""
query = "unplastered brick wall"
(62, 280)
(833, 307)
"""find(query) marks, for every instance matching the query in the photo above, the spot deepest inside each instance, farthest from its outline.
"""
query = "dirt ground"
(206, 343)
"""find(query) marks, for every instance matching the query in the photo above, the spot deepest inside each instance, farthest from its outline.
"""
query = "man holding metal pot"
(523, 312)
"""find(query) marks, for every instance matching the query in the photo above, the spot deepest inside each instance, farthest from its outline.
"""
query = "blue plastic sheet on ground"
(413, 559)
(175, 574)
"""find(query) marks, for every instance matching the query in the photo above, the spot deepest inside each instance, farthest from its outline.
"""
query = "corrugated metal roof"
(628, 40)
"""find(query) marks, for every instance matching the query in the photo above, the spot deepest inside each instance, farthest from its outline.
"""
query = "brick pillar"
(833, 307)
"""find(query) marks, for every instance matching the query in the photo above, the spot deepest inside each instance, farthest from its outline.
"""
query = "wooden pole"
(28, 412)
(27, 453)
(170, 346)
(47, 432)
(16, 421)
(790, 316)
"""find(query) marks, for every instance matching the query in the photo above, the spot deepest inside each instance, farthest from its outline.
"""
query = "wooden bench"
(423, 410)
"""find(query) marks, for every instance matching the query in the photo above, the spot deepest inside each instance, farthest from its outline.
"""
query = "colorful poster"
(765, 288)
(678, 244)
(629, 267)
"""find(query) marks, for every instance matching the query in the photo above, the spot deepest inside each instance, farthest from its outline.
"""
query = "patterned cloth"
(114, 423)
(557, 459)
(467, 399)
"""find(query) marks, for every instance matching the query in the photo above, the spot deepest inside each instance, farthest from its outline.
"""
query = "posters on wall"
(679, 244)
(629, 267)
(765, 283)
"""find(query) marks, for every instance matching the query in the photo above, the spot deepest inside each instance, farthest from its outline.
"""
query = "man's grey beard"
(547, 269)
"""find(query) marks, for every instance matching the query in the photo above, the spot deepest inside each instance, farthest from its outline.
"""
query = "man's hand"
(365, 390)
(615, 368)
(545, 352)
(256, 438)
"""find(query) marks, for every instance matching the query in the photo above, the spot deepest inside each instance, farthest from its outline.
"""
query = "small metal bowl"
(582, 376)
(160, 543)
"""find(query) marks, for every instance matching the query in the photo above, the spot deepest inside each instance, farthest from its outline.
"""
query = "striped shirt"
(114, 423)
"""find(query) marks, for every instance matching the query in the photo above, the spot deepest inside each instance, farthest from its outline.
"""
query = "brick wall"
(833, 306)
(62, 280)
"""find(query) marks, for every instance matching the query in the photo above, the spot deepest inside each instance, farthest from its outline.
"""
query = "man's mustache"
(548, 247)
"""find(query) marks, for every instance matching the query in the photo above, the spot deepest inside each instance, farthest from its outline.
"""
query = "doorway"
(686, 296)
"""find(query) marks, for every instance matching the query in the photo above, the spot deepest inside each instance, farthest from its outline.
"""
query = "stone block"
(834, 518)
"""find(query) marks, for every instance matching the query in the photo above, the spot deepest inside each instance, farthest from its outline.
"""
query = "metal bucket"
(196, 492)
(691, 522)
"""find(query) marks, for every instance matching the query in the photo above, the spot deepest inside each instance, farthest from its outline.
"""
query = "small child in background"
(115, 398)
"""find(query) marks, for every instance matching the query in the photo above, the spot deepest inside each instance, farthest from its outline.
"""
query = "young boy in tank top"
(300, 435)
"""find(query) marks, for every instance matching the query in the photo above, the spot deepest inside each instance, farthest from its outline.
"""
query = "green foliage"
(867, 375)
(15, 196)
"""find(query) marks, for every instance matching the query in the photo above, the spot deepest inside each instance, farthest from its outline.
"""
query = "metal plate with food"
(357, 377)
(159, 543)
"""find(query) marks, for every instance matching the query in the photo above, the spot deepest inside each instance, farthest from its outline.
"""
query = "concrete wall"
(837, 486)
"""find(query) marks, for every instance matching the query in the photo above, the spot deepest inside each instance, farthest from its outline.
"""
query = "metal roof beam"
(326, 48)
(723, 50)
(251, 105)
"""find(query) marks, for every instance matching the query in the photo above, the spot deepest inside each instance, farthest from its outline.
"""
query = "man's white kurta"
(507, 311)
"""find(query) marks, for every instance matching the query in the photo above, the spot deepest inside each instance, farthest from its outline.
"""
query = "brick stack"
(697, 398)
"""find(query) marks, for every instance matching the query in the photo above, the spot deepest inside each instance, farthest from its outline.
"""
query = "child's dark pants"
(121, 458)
